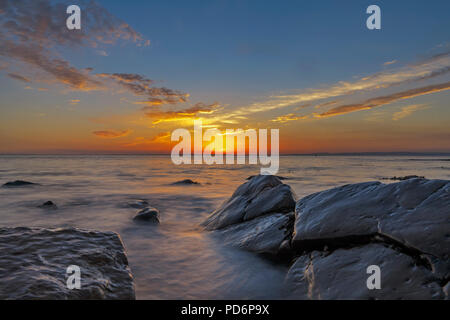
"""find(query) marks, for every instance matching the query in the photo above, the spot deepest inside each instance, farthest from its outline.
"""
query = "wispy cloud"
(33, 32)
(289, 117)
(110, 134)
(141, 86)
(19, 77)
(197, 110)
(426, 69)
(383, 100)
(407, 111)
(387, 63)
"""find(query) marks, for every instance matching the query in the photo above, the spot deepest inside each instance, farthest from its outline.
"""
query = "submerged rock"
(186, 182)
(48, 205)
(148, 215)
(34, 262)
(19, 183)
(257, 217)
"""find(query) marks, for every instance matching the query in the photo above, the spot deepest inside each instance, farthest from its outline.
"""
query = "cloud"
(110, 134)
(389, 62)
(383, 100)
(33, 31)
(141, 86)
(43, 22)
(289, 117)
(19, 77)
(407, 111)
(197, 110)
(60, 70)
(431, 67)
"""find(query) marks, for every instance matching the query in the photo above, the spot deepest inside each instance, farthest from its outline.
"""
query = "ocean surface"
(177, 259)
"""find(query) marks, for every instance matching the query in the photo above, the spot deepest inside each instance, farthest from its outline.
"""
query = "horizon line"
(115, 153)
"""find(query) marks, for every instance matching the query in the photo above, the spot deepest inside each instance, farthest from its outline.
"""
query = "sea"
(177, 259)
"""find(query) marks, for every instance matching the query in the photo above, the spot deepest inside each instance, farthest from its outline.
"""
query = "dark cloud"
(379, 101)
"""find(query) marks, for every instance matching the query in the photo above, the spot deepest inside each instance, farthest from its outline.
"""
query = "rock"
(48, 205)
(342, 275)
(258, 217)
(404, 178)
(186, 182)
(34, 263)
(336, 234)
(402, 227)
(261, 235)
(148, 215)
(414, 212)
(19, 183)
(263, 194)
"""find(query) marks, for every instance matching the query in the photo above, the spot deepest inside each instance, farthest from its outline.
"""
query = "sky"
(138, 70)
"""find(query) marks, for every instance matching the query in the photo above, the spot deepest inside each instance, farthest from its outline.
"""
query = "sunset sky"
(138, 70)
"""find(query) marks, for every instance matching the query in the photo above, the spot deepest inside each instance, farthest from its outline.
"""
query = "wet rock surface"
(34, 264)
(258, 217)
(404, 228)
(148, 215)
(342, 275)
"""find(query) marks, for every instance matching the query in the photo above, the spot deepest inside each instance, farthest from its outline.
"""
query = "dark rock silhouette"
(19, 183)
(48, 205)
(186, 182)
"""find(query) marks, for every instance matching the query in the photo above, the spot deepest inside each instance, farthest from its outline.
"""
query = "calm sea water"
(177, 259)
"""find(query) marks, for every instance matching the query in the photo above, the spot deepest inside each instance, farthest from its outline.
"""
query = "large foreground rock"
(258, 217)
(33, 264)
(403, 228)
